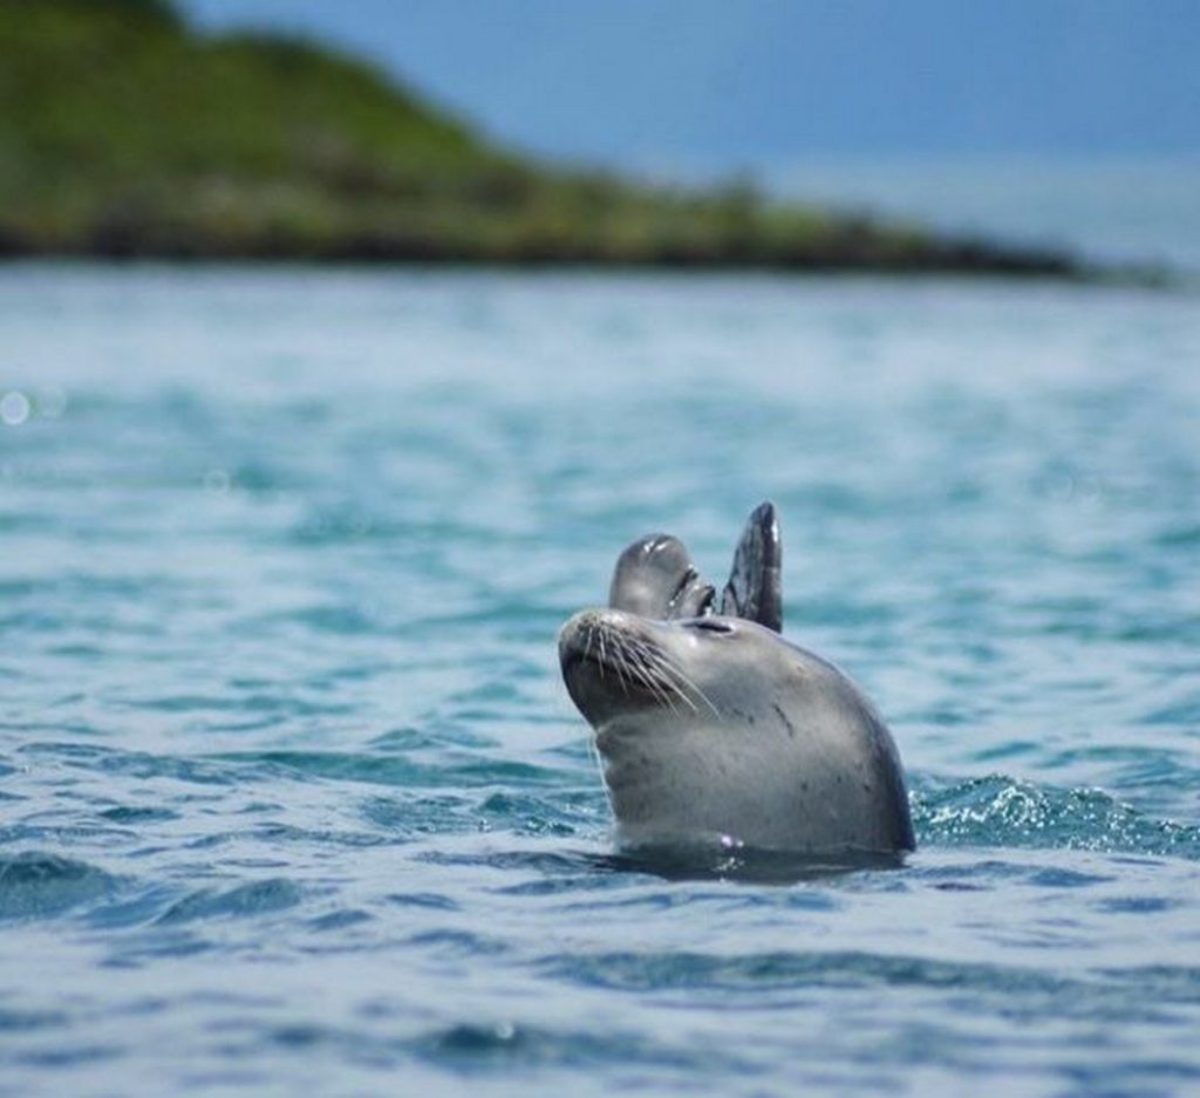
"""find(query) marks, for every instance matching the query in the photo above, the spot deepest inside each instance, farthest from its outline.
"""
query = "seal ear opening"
(754, 588)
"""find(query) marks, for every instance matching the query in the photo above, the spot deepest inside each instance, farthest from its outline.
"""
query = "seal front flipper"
(655, 578)
(753, 590)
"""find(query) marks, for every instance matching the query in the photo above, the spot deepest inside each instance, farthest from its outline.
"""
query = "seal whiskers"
(656, 676)
(637, 662)
(670, 667)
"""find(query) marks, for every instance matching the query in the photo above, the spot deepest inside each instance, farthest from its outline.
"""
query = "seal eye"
(711, 626)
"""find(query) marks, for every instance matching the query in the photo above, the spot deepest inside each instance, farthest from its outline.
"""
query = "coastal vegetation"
(124, 132)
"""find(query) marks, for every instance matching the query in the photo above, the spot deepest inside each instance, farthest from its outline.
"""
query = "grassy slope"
(123, 133)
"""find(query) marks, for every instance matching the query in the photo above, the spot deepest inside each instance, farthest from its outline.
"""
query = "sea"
(293, 800)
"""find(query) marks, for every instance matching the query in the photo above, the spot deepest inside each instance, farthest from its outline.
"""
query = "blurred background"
(780, 135)
(1060, 120)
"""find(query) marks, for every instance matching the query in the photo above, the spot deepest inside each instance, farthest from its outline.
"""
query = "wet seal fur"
(712, 727)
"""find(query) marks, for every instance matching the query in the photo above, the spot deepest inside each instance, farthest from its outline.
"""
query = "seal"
(713, 728)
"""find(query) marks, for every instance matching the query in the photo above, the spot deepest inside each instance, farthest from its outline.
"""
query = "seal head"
(712, 727)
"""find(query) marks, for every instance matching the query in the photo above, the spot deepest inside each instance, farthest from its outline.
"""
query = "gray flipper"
(655, 578)
(753, 590)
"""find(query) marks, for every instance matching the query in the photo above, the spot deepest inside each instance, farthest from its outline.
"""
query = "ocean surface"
(292, 799)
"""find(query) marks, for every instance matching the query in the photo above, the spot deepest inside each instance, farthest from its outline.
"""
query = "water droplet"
(14, 408)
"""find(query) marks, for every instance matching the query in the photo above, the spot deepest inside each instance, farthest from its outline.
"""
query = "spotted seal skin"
(712, 727)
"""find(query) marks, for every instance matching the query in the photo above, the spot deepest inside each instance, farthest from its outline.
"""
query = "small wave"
(136, 764)
(411, 813)
(25, 1021)
(256, 898)
(471, 1047)
(503, 1045)
(554, 868)
(1114, 995)
(340, 920)
(467, 770)
(787, 970)
(133, 814)
(36, 886)
(337, 619)
(528, 814)
(1002, 811)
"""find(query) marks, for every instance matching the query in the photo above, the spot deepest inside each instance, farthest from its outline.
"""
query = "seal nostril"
(711, 625)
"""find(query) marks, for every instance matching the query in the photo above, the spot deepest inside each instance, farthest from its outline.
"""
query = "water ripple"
(998, 811)
(293, 799)
(36, 886)
(242, 901)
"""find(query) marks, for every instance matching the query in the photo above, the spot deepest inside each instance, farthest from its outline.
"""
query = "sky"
(726, 85)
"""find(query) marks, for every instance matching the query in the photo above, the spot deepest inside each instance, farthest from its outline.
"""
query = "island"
(127, 133)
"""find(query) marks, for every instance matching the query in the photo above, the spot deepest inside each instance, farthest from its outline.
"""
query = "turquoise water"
(291, 796)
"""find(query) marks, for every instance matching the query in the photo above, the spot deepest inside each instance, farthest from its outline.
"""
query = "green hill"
(125, 133)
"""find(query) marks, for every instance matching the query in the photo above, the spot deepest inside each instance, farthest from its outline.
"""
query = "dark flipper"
(655, 578)
(753, 590)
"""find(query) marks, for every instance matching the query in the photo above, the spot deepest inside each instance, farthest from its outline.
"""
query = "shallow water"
(291, 795)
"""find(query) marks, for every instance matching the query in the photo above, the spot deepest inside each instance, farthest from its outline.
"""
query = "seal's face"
(618, 666)
(717, 728)
(687, 721)
(711, 725)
